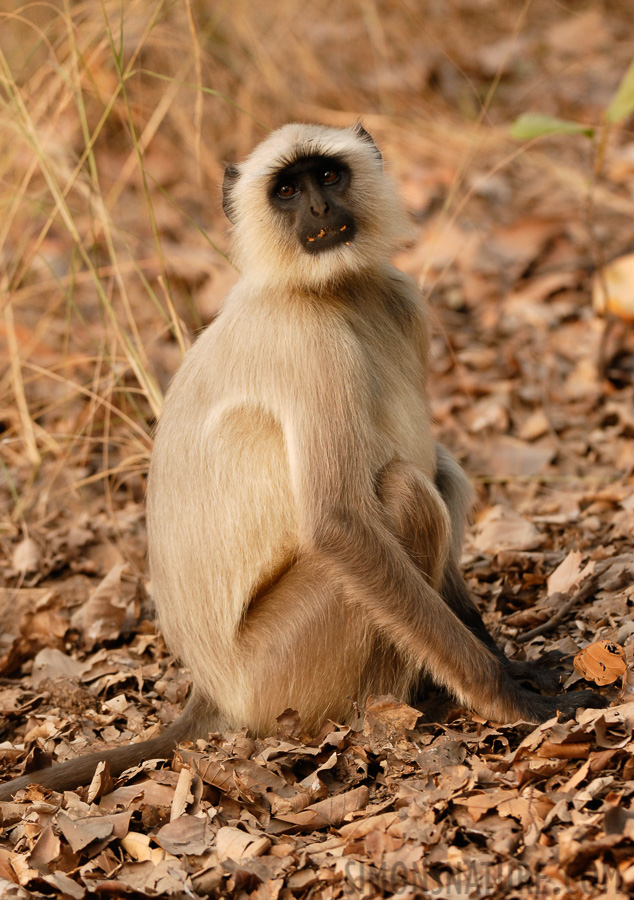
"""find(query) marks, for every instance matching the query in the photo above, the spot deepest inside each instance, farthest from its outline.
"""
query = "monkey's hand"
(544, 674)
(544, 708)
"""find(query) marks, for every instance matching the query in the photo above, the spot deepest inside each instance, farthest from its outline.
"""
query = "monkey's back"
(220, 507)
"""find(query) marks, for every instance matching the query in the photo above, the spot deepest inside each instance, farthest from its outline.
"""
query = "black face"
(313, 193)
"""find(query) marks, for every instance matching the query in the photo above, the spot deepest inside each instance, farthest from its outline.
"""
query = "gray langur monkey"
(304, 527)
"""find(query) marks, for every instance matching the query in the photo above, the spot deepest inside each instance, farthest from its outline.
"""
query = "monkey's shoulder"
(386, 311)
(387, 294)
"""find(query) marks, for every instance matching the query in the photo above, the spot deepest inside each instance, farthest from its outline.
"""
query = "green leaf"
(623, 101)
(533, 125)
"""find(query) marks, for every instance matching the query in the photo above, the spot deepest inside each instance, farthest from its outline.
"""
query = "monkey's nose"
(319, 208)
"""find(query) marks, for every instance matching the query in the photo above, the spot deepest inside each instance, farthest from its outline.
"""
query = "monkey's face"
(312, 197)
(311, 205)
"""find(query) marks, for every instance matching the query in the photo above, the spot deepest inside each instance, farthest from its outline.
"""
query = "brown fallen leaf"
(138, 846)
(529, 770)
(551, 750)
(509, 456)
(536, 425)
(6, 870)
(383, 822)
(13, 891)
(52, 663)
(503, 529)
(102, 616)
(137, 795)
(188, 835)
(66, 886)
(602, 662)
(26, 557)
(578, 34)
(567, 575)
(613, 288)
(232, 843)
(101, 782)
(235, 776)
(393, 715)
(480, 804)
(81, 832)
(527, 810)
(182, 793)
(46, 850)
(147, 878)
(326, 813)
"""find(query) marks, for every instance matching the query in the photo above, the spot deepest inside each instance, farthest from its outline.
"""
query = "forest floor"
(112, 245)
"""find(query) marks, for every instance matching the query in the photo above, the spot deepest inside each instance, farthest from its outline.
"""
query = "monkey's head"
(310, 205)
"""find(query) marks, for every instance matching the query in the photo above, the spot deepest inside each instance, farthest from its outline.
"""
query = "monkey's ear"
(232, 173)
(363, 135)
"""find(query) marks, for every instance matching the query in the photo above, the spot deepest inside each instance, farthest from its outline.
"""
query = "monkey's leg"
(398, 488)
(411, 510)
(404, 507)
(197, 719)
(304, 646)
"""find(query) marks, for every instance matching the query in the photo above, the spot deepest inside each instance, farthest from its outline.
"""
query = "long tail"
(76, 772)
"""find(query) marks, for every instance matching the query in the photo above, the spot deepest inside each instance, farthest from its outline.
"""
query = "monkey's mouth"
(329, 236)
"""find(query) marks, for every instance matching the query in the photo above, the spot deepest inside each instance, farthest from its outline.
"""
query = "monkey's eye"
(330, 176)
(286, 191)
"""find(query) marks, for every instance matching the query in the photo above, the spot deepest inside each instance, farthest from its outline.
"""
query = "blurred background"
(116, 120)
